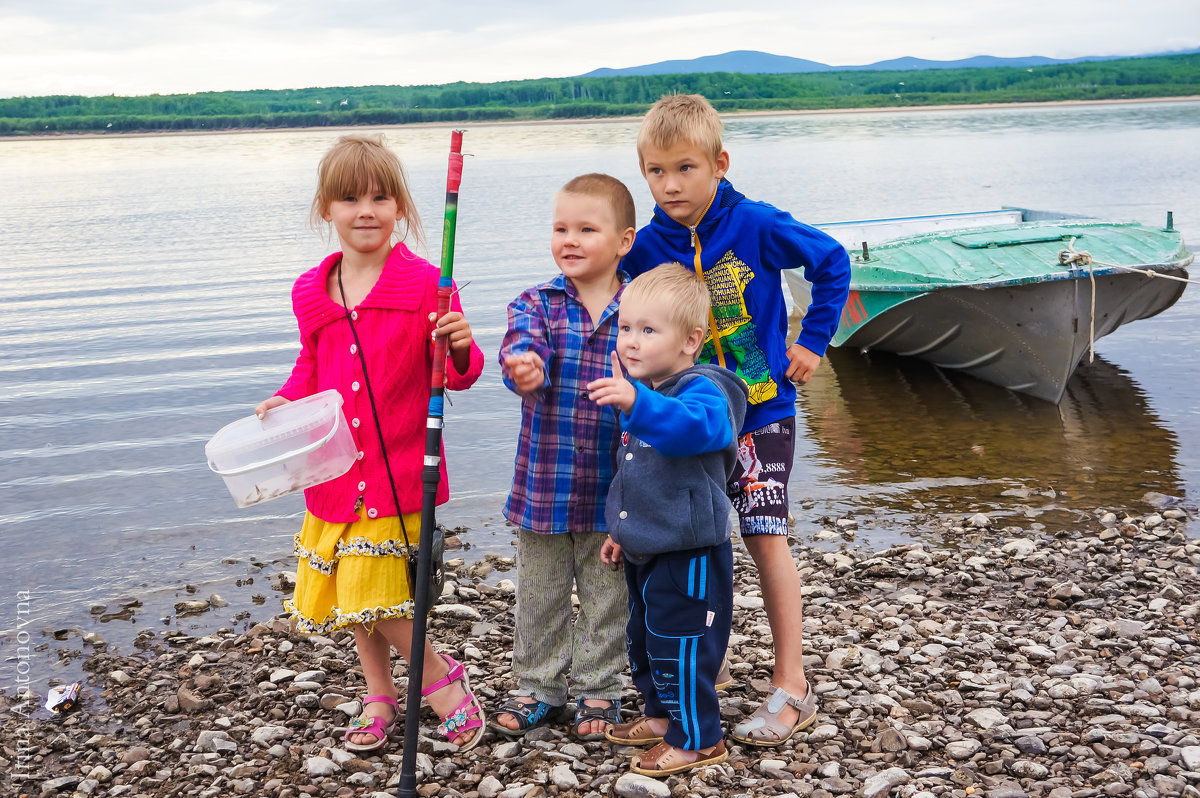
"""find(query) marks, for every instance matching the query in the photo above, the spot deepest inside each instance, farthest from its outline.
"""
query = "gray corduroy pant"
(555, 656)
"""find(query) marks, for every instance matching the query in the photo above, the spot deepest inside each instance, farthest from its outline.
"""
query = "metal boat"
(1015, 297)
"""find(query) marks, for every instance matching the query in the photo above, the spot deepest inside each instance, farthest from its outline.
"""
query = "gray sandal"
(724, 677)
(763, 728)
(610, 714)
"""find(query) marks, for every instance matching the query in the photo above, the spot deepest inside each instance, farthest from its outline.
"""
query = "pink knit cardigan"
(394, 328)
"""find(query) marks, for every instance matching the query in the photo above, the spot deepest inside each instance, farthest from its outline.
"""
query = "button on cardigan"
(395, 332)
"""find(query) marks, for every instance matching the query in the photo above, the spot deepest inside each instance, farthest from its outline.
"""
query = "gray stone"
(519, 791)
(823, 733)
(317, 766)
(1031, 745)
(563, 778)
(61, 783)
(1065, 591)
(987, 718)
(878, 785)
(100, 774)
(507, 750)
(311, 676)
(214, 741)
(1006, 791)
(490, 787)
(462, 612)
(635, 785)
(962, 749)
(1027, 769)
(267, 736)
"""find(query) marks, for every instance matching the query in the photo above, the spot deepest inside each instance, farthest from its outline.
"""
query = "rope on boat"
(1069, 256)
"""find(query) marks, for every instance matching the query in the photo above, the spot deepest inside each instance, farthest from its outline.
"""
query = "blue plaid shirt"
(564, 451)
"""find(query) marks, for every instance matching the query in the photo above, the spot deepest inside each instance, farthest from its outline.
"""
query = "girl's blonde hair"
(359, 163)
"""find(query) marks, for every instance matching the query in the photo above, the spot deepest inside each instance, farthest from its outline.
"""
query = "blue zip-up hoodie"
(743, 246)
(677, 450)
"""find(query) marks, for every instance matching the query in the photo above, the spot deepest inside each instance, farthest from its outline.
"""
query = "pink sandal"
(373, 726)
(459, 720)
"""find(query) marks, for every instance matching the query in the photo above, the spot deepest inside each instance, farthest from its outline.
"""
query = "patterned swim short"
(759, 485)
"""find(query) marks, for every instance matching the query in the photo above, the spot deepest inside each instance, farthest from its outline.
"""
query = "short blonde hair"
(674, 287)
(681, 117)
(609, 189)
(353, 166)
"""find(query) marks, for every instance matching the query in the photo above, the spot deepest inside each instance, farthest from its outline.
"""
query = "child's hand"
(261, 408)
(454, 328)
(803, 362)
(610, 554)
(527, 370)
(614, 390)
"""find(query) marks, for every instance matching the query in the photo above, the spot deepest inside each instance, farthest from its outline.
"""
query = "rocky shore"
(1002, 662)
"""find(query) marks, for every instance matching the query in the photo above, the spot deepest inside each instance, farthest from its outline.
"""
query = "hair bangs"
(358, 165)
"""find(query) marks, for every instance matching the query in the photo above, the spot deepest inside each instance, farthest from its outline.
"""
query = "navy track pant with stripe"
(680, 612)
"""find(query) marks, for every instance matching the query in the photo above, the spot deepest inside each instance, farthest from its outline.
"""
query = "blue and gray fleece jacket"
(678, 447)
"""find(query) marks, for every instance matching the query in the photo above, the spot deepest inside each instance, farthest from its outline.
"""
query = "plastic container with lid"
(297, 445)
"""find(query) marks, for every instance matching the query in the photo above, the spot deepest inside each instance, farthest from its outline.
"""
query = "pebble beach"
(1000, 662)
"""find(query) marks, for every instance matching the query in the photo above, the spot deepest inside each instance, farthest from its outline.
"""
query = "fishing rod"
(430, 477)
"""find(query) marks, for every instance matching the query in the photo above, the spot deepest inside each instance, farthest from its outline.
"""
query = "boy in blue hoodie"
(668, 517)
(739, 247)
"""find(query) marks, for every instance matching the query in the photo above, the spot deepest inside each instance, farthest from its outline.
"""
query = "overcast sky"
(96, 47)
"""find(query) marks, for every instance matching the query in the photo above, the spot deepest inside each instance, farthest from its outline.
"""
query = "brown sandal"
(665, 760)
(635, 732)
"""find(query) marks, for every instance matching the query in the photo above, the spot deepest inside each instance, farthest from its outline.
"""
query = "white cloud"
(142, 47)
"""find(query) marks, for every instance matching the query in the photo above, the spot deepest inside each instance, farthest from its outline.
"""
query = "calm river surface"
(145, 305)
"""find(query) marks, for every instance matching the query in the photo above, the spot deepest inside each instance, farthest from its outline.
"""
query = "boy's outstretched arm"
(694, 421)
(526, 350)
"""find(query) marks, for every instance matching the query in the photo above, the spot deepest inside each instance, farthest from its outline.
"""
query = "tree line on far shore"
(577, 98)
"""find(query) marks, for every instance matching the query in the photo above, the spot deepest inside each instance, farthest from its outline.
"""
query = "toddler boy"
(668, 516)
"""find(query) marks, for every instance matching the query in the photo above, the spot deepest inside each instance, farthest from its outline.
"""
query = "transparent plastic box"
(297, 445)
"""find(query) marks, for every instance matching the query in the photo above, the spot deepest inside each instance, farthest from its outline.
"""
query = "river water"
(145, 305)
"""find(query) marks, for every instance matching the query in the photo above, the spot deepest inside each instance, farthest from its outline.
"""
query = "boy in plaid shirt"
(560, 334)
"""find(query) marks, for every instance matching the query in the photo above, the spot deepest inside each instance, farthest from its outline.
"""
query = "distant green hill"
(567, 98)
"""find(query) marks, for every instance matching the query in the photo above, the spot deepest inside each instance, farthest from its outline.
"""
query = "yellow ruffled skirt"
(351, 573)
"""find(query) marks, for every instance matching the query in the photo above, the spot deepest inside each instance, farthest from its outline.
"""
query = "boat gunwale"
(1182, 257)
(1180, 265)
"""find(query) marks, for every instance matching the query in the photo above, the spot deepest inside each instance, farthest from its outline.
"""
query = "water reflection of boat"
(914, 431)
(1013, 297)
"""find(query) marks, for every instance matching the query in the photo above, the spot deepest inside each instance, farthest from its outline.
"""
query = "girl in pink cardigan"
(380, 297)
